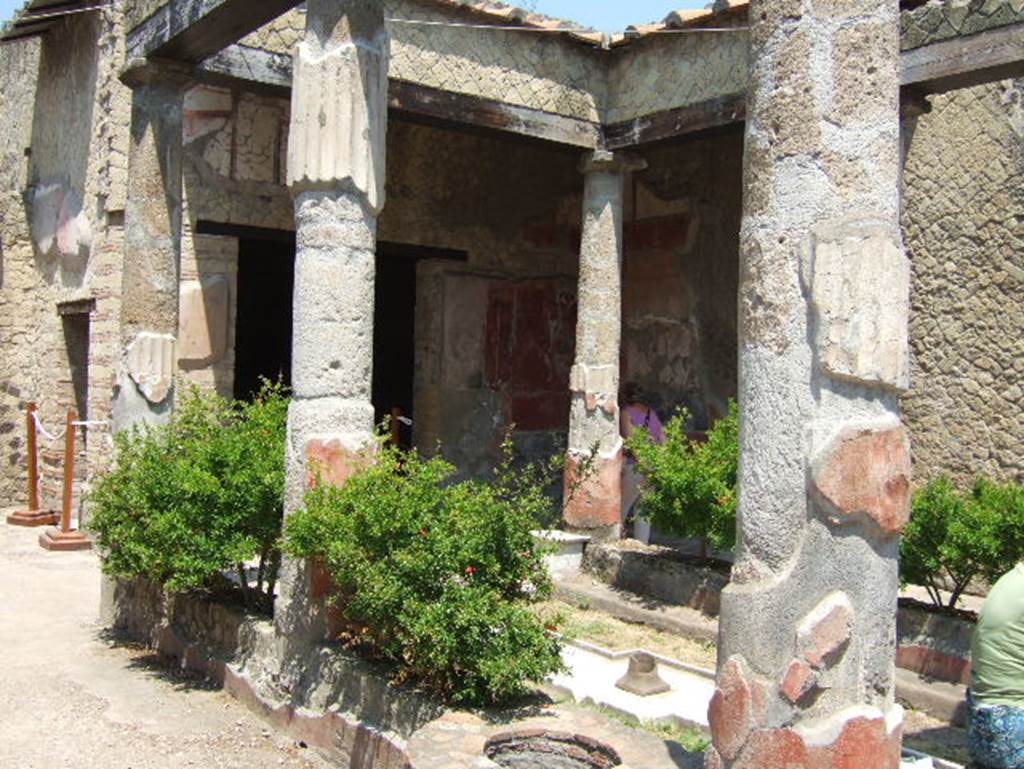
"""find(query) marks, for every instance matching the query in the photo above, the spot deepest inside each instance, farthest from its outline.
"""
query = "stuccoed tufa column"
(593, 502)
(807, 628)
(336, 175)
(152, 244)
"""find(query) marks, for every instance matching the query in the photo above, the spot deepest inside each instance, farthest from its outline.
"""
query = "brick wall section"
(964, 208)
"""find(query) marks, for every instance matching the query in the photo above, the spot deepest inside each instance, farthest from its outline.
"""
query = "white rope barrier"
(44, 432)
(83, 423)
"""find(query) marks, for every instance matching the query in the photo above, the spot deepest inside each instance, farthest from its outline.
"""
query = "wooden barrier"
(33, 516)
(65, 538)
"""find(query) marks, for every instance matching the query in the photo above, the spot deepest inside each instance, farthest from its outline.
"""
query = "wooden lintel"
(193, 30)
(961, 62)
(449, 108)
(935, 68)
(251, 69)
(259, 71)
(659, 126)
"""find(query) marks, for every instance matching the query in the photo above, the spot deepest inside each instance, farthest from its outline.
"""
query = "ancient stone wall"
(536, 70)
(665, 71)
(19, 64)
(939, 20)
(964, 223)
(65, 135)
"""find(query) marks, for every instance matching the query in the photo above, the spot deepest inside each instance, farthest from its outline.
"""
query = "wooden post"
(69, 472)
(64, 538)
(33, 516)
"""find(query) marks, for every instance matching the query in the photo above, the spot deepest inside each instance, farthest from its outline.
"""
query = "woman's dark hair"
(630, 392)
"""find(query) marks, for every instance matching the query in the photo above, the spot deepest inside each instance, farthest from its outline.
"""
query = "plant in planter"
(954, 537)
(201, 495)
(436, 576)
(690, 487)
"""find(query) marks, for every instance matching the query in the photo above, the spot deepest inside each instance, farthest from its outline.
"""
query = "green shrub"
(436, 576)
(690, 487)
(954, 537)
(202, 494)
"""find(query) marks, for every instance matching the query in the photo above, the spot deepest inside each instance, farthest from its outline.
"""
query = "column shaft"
(336, 175)
(152, 244)
(807, 629)
(594, 501)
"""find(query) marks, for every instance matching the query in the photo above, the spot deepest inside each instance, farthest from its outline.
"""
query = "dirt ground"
(71, 698)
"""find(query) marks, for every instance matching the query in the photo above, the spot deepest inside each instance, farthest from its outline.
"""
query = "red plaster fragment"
(822, 643)
(867, 473)
(934, 664)
(331, 462)
(597, 500)
(863, 743)
(776, 749)
(798, 681)
(731, 712)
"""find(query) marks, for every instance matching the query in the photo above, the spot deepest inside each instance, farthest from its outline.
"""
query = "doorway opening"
(394, 340)
(263, 320)
(76, 348)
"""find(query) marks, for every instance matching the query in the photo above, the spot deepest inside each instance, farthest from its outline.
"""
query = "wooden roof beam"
(193, 30)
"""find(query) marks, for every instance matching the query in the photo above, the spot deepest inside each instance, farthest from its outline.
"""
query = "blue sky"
(606, 15)
(612, 15)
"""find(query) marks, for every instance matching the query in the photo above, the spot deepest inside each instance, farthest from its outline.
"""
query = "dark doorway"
(76, 346)
(263, 320)
(394, 338)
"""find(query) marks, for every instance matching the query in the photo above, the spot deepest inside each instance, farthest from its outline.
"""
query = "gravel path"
(70, 698)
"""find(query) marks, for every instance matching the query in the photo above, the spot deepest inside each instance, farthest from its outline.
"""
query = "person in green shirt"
(995, 700)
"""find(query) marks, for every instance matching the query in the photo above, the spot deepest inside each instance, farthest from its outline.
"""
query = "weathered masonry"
(487, 219)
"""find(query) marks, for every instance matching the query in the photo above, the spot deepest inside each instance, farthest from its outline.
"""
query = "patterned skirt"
(995, 734)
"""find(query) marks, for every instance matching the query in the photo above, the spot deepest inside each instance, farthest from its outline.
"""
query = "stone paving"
(70, 698)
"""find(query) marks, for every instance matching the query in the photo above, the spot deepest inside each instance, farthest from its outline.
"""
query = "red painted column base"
(595, 501)
(59, 541)
(33, 518)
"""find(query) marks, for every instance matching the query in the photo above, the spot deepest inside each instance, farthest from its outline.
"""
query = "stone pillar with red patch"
(808, 624)
(336, 148)
(593, 500)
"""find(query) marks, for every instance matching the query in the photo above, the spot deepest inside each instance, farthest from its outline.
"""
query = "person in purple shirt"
(635, 413)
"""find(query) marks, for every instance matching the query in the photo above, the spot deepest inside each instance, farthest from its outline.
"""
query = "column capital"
(338, 134)
(167, 73)
(607, 161)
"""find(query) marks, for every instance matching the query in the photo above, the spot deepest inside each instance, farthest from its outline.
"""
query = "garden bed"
(933, 642)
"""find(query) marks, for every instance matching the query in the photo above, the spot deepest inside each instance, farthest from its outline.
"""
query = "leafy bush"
(690, 487)
(436, 576)
(187, 500)
(954, 537)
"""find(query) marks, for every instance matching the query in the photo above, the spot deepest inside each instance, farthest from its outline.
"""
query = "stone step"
(938, 699)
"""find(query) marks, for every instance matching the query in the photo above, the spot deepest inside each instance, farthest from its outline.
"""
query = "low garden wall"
(321, 695)
(658, 572)
(345, 707)
(935, 645)
(932, 644)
